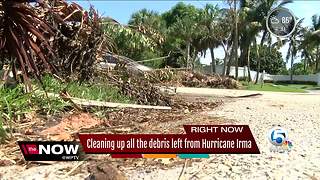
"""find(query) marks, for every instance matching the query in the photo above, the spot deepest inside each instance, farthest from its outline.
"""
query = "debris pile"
(186, 78)
(133, 84)
(143, 86)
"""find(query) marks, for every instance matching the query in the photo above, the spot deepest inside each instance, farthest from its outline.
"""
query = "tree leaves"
(133, 37)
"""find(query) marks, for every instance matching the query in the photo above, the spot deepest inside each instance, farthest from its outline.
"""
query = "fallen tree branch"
(85, 102)
(66, 97)
(245, 96)
(77, 102)
(73, 169)
(183, 170)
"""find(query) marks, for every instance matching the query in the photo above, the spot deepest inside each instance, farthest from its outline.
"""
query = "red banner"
(199, 139)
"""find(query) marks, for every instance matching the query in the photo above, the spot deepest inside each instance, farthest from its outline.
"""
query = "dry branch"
(77, 102)
(245, 96)
(85, 102)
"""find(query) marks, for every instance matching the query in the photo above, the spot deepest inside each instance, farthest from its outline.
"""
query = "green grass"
(3, 133)
(301, 86)
(14, 103)
(298, 88)
(99, 92)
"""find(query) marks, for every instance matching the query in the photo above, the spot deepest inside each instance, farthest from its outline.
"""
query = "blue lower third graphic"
(185, 156)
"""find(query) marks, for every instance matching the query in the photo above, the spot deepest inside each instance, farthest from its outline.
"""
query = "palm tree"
(185, 29)
(295, 40)
(146, 19)
(315, 24)
(133, 37)
(143, 17)
(208, 20)
(235, 35)
(310, 46)
(254, 14)
(149, 23)
(307, 47)
(224, 35)
(24, 35)
(248, 30)
(315, 27)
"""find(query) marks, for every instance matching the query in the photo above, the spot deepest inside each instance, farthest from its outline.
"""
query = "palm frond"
(25, 35)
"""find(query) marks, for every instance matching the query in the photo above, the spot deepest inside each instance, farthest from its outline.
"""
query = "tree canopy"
(184, 32)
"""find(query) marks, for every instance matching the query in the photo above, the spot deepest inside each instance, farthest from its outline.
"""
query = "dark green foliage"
(179, 11)
(299, 69)
(151, 35)
(271, 60)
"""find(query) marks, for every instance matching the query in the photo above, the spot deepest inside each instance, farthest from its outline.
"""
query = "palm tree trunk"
(243, 53)
(188, 54)
(248, 63)
(291, 70)
(213, 61)
(225, 60)
(258, 70)
(229, 62)
(236, 62)
(308, 61)
(224, 65)
(317, 59)
(236, 38)
(259, 60)
(259, 63)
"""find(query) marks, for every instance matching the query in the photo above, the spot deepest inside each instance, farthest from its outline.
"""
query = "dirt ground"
(298, 113)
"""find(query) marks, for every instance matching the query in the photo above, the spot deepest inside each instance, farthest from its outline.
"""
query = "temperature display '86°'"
(281, 22)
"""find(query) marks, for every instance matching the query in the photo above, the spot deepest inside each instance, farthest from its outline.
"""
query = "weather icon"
(274, 20)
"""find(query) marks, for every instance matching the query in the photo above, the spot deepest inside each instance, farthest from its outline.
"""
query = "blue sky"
(122, 10)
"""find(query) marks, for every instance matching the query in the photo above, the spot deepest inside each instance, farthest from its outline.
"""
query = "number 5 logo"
(277, 136)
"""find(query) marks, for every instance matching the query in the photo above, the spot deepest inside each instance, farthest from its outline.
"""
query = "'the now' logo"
(50, 150)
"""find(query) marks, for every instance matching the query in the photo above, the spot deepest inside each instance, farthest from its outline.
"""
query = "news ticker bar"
(198, 142)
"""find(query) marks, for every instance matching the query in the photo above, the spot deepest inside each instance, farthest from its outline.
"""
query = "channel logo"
(51, 150)
(278, 137)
